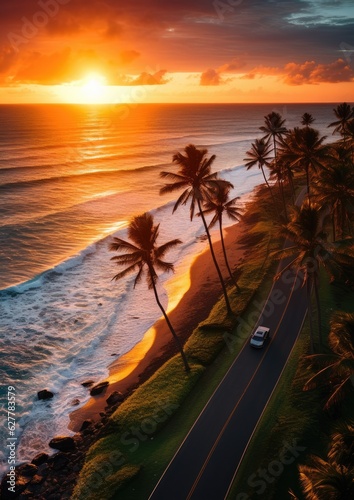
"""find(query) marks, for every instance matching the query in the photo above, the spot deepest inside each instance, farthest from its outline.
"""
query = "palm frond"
(161, 250)
(123, 273)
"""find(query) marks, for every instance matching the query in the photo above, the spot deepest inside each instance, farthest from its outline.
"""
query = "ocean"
(70, 178)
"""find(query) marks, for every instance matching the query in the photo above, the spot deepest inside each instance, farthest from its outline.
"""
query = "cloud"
(308, 72)
(64, 66)
(260, 71)
(7, 58)
(235, 64)
(210, 77)
(312, 73)
(145, 78)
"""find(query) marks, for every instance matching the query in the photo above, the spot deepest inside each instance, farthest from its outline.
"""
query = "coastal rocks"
(40, 459)
(59, 461)
(99, 388)
(114, 398)
(63, 443)
(86, 424)
(27, 470)
(21, 484)
(88, 383)
(45, 394)
(75, 402)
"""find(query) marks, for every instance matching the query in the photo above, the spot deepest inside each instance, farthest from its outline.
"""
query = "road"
(204, 466)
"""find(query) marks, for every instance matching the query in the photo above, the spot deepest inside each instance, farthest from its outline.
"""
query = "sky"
(176, 51)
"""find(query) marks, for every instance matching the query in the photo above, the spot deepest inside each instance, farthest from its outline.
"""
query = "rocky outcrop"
(99, 388)
(63, 443)
(88, 383)
(114, 398)
(45, 394)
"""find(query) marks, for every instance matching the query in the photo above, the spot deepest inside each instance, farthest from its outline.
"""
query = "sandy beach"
(157, 345)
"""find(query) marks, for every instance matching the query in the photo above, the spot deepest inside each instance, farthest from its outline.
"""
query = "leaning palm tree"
(198, 183)
(218, 204)
(259, 155)
(344, 113)
(144, 254)
(335, 370)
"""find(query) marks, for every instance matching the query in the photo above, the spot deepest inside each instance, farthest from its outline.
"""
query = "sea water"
(71, 178)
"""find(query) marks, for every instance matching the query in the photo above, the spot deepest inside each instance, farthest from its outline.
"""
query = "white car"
(259, 336)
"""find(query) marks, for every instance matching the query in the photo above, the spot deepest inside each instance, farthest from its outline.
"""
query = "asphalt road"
(205, 464)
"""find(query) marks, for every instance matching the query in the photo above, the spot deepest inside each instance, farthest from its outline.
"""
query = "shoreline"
(127, 372)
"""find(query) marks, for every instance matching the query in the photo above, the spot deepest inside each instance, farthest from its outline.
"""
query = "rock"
(85, 424)
(63, 443)
(21, 484)
(99, 388)
(60, 461)
(75, 402)
(27, 470)
(44, 394)
(115, 397)
(37, 479)
(40, 459)
(88, 383)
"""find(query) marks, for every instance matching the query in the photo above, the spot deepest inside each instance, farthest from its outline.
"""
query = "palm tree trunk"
(281, 187)
(178, 342)
(334, 224)
(225, 254)
(228, 306)
(318, 309)
(308, 184)
(270, 190)
(309, 309)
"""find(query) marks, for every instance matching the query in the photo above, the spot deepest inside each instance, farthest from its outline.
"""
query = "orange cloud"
(145, 78)
(210, 77)
(308, 72)
(60, 67)
(312, 73)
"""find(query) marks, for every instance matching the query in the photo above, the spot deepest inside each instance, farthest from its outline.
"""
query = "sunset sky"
(182, 51)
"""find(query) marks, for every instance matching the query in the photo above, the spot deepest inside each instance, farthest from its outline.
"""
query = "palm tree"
(307, 119)
(273, 128)
(334, 187)
(143, 254)
(350, 136)
(259, 154)
(335, 370)
(326, 480)
(309, 251)
(303, 149)
(344, 113)
(219, 203)
(342, 446)
(199, 182)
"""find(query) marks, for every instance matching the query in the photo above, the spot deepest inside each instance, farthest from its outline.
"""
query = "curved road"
(206, 462)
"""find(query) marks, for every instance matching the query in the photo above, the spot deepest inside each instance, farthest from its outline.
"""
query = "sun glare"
(94, 89)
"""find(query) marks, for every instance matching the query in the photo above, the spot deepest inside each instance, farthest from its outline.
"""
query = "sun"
(93, 89)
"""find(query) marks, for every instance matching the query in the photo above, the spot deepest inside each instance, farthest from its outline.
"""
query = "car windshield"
(259, 334)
